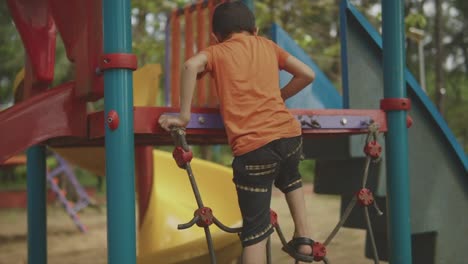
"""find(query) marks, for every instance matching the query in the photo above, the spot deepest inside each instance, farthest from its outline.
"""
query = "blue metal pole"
(37, 211)
(249, 3)
(119, 143)
(397, 136)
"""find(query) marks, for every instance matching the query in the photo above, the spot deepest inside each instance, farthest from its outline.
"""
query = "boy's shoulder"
(240, 39)
(237, 43)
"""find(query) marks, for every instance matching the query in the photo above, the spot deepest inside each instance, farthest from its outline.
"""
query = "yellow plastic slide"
(171, 200)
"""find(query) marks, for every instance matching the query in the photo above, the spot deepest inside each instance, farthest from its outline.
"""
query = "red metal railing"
(194, 37)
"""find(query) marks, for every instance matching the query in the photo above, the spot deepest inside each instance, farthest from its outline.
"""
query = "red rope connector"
(205, 216)
(394, 104)
(182, 157)
(373, 149)
(409, 121)
(319, 251)
(365, 197)
(273, 218)
(118, 61)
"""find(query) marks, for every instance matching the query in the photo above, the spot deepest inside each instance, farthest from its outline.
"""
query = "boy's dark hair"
(232, 17)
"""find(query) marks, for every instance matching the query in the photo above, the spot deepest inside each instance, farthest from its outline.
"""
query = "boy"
(265, 138)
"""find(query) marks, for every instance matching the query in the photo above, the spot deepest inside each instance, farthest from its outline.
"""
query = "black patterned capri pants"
(254, 174)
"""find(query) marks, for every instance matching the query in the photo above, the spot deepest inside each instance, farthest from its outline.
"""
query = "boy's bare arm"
(302, 76)
(191, 68)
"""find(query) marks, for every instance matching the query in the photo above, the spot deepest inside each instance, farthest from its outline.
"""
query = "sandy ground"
(67, 245)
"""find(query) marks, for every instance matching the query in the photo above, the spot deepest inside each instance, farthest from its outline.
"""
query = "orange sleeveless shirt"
(245, 69)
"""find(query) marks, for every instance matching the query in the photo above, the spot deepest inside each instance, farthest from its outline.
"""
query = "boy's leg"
(254, 174)
(290, 183)
(255, 254)
(255, 210)
(296, 204)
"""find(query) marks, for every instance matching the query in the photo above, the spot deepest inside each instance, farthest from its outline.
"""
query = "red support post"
(212, 99)
(201, 44)
(175, 59)
(188, 33)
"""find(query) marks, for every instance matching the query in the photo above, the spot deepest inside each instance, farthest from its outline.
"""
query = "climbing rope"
(364, 196)
(204, 217)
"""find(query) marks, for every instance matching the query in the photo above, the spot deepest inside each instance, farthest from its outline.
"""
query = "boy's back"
(245, 68)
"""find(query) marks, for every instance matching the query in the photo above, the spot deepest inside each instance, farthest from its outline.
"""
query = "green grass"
(307, 170)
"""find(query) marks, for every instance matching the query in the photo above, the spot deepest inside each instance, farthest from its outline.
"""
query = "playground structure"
(81, 199)
(58, 118)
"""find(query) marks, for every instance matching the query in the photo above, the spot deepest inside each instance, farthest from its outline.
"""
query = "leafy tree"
(313, 24)
(11, 53)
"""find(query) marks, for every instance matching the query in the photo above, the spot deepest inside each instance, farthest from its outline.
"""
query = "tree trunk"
(439, 57)
(465, 50)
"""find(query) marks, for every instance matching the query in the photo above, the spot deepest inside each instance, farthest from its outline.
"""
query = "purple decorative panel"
(214, 121)
(334, 122)
(204, 120)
